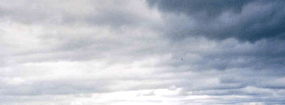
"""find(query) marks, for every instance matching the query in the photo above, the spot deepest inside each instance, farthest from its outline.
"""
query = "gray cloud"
(211, 8)
(246, 20)
(123, 52)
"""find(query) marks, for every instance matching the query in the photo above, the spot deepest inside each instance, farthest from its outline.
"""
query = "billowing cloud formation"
(124, 52)
(245, 20)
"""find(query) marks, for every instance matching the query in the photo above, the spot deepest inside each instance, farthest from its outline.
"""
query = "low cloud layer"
(245, 20)
(164, 52)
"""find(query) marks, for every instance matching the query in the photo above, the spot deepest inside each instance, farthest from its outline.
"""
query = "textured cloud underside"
(124, 52)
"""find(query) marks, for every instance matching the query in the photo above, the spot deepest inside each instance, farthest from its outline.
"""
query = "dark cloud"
(102, 51)
(246, 20)
(212, 8)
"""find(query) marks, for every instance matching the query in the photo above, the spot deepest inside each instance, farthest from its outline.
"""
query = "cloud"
(127, 52)
(211, 8)
(245, 20)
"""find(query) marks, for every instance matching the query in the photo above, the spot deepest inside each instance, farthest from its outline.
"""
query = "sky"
(142, 52)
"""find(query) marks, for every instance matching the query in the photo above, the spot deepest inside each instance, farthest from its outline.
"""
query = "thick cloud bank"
(142, 52)
(245, 20)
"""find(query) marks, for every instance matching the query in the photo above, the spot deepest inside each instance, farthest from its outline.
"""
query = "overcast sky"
(142, 52)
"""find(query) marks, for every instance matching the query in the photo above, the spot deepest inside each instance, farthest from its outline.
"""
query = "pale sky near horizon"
(142, 52)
